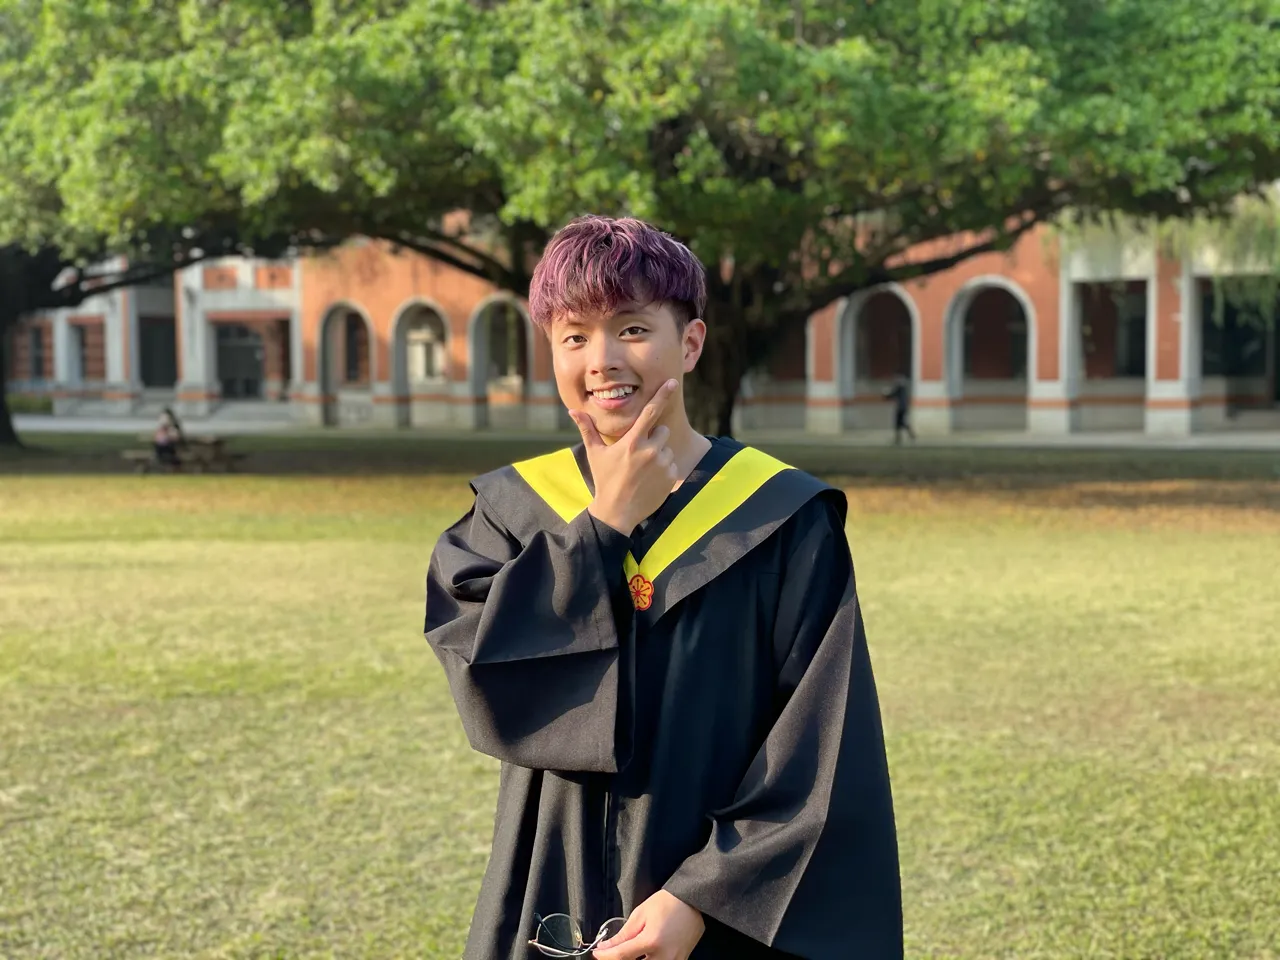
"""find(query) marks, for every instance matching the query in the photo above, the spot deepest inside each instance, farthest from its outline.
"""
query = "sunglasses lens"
(560, 931)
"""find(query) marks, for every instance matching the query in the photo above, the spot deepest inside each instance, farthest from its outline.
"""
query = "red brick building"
(1105, 337)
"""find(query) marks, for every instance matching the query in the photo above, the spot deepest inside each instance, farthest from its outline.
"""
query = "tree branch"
(853, 282)
(502, 277)
(495, 270)
(73, 294)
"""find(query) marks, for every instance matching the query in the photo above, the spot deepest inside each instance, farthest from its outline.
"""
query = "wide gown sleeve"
(529, 639)
(805, 857)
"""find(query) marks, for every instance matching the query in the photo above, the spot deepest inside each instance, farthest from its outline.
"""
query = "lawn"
(222, 735)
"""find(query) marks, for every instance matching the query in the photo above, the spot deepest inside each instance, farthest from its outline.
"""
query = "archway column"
(198, 391)
(931, 412)
(470, 409)
(385, 404)
(306, 405)
(1173, 350)
(545, 411)
(828, 396)
(471, 393)
(931, 398)
(1053, 405)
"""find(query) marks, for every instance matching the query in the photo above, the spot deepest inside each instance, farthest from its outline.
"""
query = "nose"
(604, 356)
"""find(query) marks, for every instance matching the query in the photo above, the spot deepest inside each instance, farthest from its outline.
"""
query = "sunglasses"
(560, 936)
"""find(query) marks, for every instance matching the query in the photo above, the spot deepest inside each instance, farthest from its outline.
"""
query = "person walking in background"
(900, 394)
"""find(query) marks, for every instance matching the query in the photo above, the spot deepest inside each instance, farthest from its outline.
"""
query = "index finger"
(648, 418)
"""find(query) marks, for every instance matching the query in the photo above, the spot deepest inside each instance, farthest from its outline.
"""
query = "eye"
(634, 330)
(575, 338)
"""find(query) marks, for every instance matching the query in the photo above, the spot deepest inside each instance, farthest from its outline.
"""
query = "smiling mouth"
(614, 393)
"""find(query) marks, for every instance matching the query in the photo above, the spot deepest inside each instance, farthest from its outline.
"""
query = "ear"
(695, 336)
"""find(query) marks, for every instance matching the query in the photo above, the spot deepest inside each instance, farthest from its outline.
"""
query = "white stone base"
(123, 402)
(1103, 417)
(1053, 420)
(823, 419)
(547, 416)
(1162, 421)
(355, 408)
(304, 404)
(769, 416)
(204, 402)
(989, 416)
(931, 421)
(471, 413)
(429, 413)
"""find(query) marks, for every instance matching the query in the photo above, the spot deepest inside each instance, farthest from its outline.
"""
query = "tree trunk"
(712, 391)
(8, 435)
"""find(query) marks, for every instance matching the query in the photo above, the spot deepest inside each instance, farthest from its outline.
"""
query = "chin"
(614, 427)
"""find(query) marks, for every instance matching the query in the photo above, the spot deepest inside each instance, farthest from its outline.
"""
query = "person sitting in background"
(167, 438)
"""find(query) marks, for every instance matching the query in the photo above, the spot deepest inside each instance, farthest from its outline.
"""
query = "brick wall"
(788, 361)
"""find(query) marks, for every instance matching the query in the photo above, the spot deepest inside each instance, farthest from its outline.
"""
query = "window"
(356, 352)
(1236, 346)
(36, 353)
(425, 344)
(1131, 335)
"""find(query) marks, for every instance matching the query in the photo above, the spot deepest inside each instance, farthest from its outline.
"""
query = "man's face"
(609, 367)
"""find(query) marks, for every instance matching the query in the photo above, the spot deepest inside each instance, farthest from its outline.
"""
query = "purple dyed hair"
(597, 264)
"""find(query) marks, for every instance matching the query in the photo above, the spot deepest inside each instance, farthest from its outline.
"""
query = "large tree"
(804, 150)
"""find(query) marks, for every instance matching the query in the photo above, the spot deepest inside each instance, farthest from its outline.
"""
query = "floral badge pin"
(641, 591)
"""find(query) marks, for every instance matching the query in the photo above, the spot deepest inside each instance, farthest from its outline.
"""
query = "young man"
(658, 635)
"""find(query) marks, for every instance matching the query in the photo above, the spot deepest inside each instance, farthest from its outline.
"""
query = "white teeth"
(617, 393)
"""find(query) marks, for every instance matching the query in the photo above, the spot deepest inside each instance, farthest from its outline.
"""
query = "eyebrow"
(630, 313)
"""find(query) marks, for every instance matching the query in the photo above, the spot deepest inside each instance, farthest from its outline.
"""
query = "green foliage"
(29, 403)
(705, 115)
(807, 146)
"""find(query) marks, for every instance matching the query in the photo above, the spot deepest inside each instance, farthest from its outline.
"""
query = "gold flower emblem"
(641, 591)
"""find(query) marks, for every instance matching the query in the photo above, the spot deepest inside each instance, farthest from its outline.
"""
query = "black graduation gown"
(723, 742)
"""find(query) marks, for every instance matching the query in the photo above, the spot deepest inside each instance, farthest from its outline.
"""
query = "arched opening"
(991, 346)
(882, 348)
(500, 372)
(421, 367)
(346, 362)
(241, 359)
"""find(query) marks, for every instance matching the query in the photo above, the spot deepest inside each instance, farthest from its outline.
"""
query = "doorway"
(158, 351)
(241, 365)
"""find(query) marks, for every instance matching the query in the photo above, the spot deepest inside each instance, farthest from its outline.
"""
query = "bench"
(199, 455)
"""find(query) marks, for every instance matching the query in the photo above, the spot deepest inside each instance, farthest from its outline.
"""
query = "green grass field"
(222, 735)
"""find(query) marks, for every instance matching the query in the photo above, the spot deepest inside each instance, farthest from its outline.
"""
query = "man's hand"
(661, 928)
(636, 474)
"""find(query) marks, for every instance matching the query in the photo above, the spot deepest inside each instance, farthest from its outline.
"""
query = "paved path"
(1222, 440)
